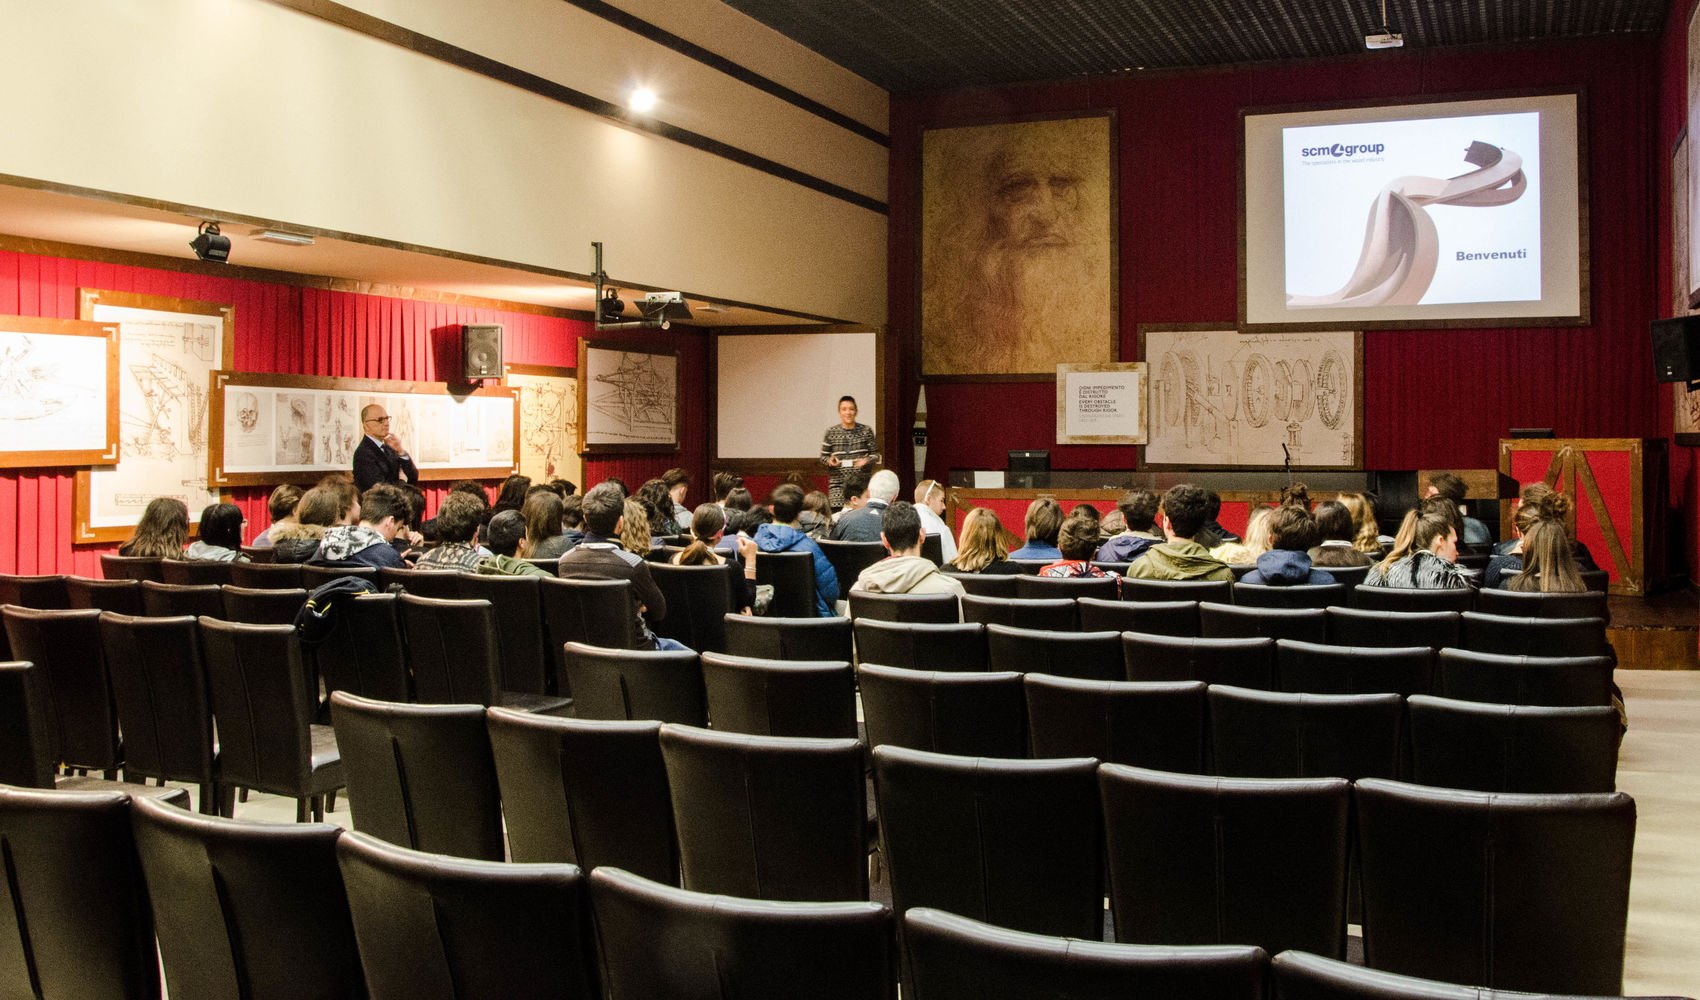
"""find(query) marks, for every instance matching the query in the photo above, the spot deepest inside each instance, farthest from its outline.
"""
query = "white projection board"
(778, 393)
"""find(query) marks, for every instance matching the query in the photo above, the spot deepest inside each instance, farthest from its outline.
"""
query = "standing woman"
(847, 445)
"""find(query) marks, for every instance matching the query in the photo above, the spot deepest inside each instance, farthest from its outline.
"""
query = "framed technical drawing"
(58, 392)
(629, 397)
(548, 422)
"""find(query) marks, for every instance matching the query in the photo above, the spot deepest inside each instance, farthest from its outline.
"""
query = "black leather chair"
(518, 604)
(1347, 576)
(1533, 636)
(1225, 621)
(1241, 662)
(1156, 725)
(122, 596)
(936, 608)
(552, 565)
(809, 638)
(849, 559)
(438, 583)
(932, 550)
(1516, 604)
(780, 697)
(194, 572)
(636, 684)
(421, 776)
(921, 645)
(1367, 598)
(46, 592)
(26, 738)
(974, 714)
(1118, 568)
(262, 606)
(1220, 591)
(1258, 595)
(985, 584)
(77, 922)
(434, 926)
(169, 600)
(768, 817)
(1513, 748)
(1241, 570)
(1357, 627)
(1178, 618)
(1302, 976)
(587, 791)
(266, 739)
(1045, 588)
(1016, 843)
(117, 567)
(257, 575)
(598, 612)
(1525, 680)
(263, 554)
(1317, 668)
(76, 698)
(1596, 579)
(1095, 656)
(159, 683)
(1030, 567)
(315, 575)
(698, 600)
(363, 654)
(673, 944)
(1517, 892)
(246, 909)
(1201, 860)
(792, 577)
(456, 658)
(1057, 614)
(1274, 734)
(955, 958)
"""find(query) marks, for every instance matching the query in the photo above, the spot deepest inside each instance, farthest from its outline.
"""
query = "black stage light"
(209, 245)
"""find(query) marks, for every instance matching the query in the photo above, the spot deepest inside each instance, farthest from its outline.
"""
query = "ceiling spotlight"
(209, 245)
(287, 239)
(641, 100)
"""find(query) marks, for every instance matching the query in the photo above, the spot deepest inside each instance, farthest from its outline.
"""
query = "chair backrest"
(1516, 604)
(191, 572)
(849, 559)
(952, 956)
(636, 684)
(1093, 656)
(262, 703)
(1241, 662)
(1347, 576)
(258, 574)
(1513, 748)
(1016, 843)
(1179, 618)
(932, 549)
(262, 554)
(921, 645)
(780, 697)
(1160, 725)
(74, 914)
(1030, 567)
(1118, 568)
(1367, 598)
(1202, 860)
(159, 682)
(452, 650)
(117, 567)
(420, 776)
(1257, 595)
(587, 791)
(598, 612)
(1519, 892)
(1525, 680)
(660, 941)
(433, 926)
(768, 817)
(807, 638)
(792, 577)
(1357, 627)
(1056, 613)
(698, 600)
(1220, 591)
(246, 909)
(1533, 636)
(1318, 668)
(26, 734)
(47, 592)
(314, 576)
(442, 584)
(363, 654)
(76, 694)
(262, 606)
(122, 596)
(1302, 976)
(1225, 621)
(939, 608)
(168, 600)
(1275, 734)
(985, 584)
(973, 714)
(1105, 588)
(518, 605)
(1596, 579)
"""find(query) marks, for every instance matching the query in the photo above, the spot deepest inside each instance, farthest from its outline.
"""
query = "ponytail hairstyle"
(707, 521)
(1402, 542)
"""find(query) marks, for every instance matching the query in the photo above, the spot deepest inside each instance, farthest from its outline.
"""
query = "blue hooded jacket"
(1280, 568)
(784, 538)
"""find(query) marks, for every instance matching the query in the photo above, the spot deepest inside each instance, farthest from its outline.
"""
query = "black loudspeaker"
(481, 351)
(1676, 348)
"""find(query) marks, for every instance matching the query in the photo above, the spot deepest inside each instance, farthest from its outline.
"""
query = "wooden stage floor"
(1661, 632)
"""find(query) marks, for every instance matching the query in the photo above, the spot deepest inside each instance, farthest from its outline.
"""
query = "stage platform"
(1661, 632)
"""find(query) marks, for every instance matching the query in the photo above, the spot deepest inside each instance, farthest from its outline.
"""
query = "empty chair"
(921, 645)
(985, 584)
(1220, 591)
(122, 596)
(193, 572)
(76, 917)
(1225, 621)
(972, 714)
(1367, 598)
(1516, 604)
(1088, 655)
(258, 574)
(167, 600)
(517, 603)
(1513, 748)
(76, 693)
(586, 791)
(421, 582)
(664, 685)
(1202, 860)
(698, 600)
(117, 567)
(1241, 662)
(955, 958)
(673, 944)
(420, 775)
(1257, 595)
(768, 817)
(849, 559)
(1533, 636)
(262, 606)
(363, 654)
(246, 909)
(1302, 976)
(1153, 617)
(1159, 725)
(1057, 613)
(1525, 680)
(47, 592)
(598, 612)
(779, 697)
(315, 575)
(792, 577)
(1317, 668)
(941, 608)
(1355, 627)
(1105, 588)
(159, 683)
(432, 926)
(1516, 892)
(1016, 843)
(455, 657)
(810, 638)
(1275, 734)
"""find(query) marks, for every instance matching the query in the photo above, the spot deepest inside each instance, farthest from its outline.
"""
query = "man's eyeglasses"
(377, 420)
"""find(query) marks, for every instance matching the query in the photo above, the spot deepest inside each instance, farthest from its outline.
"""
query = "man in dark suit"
(381, 457)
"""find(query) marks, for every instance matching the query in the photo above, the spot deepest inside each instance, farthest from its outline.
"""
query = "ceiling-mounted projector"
(1385, 40)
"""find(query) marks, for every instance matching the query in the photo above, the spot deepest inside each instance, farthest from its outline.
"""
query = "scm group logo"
(1340, 149)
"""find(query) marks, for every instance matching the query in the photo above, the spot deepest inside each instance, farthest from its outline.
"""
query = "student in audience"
(1212, 534)
(320, 508)
(507, 547)
(637, 528)
(1139, 510)
(1549, 567)
(1088, 510)
(1452, 489)
(1181, 557)
(545, 527)
(162, 532)
(511, 496)
(1540, 502)
(1044, 519)
(738, 498)
(382, 511)
(409, 541)
(1077, 539)
(221, 535)
(905, 571)
(783, 535)
(600, 557)
(1292, 532)
(982, 548)
(863, 523)
(1335, 535)
(723, 483)
(816, 518)
(1113, 524)
(281, 506)
(1428, 561)
(709, 547)
(1244, 552)
(1295, 494)
(657, 507)
(1366, 537)
(563, 487)
(678, 484)
(855, 492)
(457, 533)
(930, 497)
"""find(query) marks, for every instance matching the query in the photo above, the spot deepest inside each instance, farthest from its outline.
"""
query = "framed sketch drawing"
(1101, 404)
(629, 395)
(167, 350)
(1018, 248)
(1222, 399)
(58, 392)
(548, 422)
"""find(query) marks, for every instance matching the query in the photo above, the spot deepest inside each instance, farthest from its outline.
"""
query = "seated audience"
(320, 508)
(982, 548)
(739, 498)
(457, 532)
(1077, 539)
(162, 532)
(409, 542)
(1335, 538)
(855, 490)
(281, 506)
(383, 511)
(1043, 521)
(1549, 567)
(511, 495)
(863, 523)
(600, 557)
(1138, 509)
(1292, 531)
(678, 484)
(930, 496)
(1244, 552)
(221, 535)
(1181, 557)
(905, 571)
(1296, 495)
(783, 535)
(1212, 534)
(723, 483)
(507, 543)
(657, 509)
(816, 518)
(472, 488)
(1540, 502)
(563, 487)
(708, 527)
(1424, 555)
(1450, 488)
(1113, 524)
(637, 527)
(545, 526)
(1367, 537)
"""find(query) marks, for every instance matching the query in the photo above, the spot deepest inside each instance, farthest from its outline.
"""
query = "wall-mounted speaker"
(481, 350)
(1676, 349)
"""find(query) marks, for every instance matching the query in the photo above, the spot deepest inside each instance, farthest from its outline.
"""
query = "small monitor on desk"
(1029, 469)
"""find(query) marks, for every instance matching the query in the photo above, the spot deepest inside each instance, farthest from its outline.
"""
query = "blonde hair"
(981, 543)
(1367, 534)
(634, 530)
(1403, 542)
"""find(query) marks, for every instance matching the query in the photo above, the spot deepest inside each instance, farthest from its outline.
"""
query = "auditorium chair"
(169, 600)
(1030, 567)
(1274, 734)
(1367, 598)
(438, 583)
(194, 572)
(1347, 576)
(1241, 570)
(932, 550)
(921, 645)
(849, 559)
(159, 685)
(1086, 655)
(262, 554)
(316, 575)
(1056, 613)
(1258, 595)
(256, 574)
(1513, 748)
(636, 684)
(1046, 588)
(1179, 618)
(792, 577)
(985, 584)
(518, 605)
(1241, 662)
(1533, 636)
(117, 567)
(938, 608)
(1525, 680)
(122, 596)
(262, 606)
(47, 592)
(1595, 579)
(1159, 725)
(698, 600)
(598, 612)
(1220, 591)
(1299, 975)
(807, 638)
(76, 689)
(1516, 604)
(363, 654)
(456, 659)
(972, 714)
(552, 565)
(1392, 629)
(1226, 621)
(780, 697)
(1118, 568)
(1318, 668)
